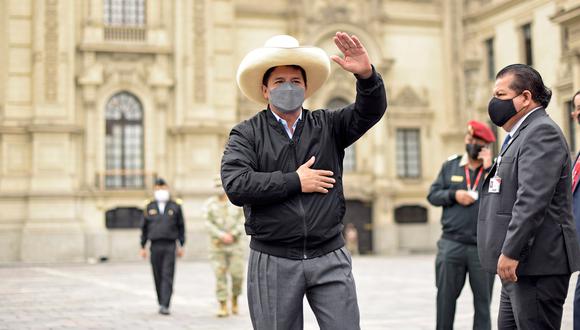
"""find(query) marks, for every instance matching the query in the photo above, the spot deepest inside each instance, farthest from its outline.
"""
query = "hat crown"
(282, 41)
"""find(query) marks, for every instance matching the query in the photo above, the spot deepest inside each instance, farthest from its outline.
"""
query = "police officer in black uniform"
(163, 225)
(456, 189)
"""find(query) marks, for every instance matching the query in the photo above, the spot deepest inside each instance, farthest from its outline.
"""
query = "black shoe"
(164, 310)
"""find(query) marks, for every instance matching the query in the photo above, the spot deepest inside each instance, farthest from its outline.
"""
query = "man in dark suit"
(576, 205)
(526, 232)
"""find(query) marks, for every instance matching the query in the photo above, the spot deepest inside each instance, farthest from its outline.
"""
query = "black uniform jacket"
(259, 172)
(168, 225)
(530, 218)
(459, 222)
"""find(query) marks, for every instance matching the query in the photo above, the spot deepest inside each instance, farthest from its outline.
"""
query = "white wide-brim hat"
(279, 51)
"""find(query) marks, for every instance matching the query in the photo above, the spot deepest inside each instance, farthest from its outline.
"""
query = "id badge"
(494, 185)
(473, 194)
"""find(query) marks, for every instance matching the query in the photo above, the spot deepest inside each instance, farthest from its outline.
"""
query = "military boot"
(223, 310)
(235, 305)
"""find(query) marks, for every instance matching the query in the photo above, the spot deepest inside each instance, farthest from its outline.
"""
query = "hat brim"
(314, 61)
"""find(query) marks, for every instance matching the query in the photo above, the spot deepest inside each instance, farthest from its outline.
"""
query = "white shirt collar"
(519, 122)
(278, 118)
(161, 206)
(285, 123)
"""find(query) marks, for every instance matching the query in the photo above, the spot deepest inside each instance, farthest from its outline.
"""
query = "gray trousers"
(277, 286)
(455, 261)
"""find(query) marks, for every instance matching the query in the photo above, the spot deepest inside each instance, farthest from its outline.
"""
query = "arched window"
(124, 142)
(349, 163)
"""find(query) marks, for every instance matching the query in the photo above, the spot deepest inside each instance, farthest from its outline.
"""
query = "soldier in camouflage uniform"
(225, 223)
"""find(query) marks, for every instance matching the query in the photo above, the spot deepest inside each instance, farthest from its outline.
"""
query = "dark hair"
(573, 97)
(527, 78)
(269, 73)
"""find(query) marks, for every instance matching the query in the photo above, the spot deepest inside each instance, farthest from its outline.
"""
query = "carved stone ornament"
(408, 97)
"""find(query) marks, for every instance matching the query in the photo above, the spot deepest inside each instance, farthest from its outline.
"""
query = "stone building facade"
(99, 97)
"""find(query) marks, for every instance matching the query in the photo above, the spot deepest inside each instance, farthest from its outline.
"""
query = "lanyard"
(468, 178)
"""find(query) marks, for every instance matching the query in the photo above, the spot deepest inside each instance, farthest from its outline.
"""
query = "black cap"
(160, 182)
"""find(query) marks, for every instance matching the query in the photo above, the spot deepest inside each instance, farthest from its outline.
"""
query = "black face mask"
(473, 150)
(500, 111)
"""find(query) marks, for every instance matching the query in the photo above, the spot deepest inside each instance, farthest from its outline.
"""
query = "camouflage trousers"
(228, 261)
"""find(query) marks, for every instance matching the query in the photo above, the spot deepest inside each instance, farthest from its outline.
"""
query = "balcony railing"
(112, 180)
(125, 33)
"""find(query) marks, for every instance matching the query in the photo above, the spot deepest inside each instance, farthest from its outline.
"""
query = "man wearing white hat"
(284, 166)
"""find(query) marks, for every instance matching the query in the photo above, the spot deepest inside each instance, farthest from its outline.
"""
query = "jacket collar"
(533, 116)
(463, 160)
(540, 112)
(166, 206)
(272, 121)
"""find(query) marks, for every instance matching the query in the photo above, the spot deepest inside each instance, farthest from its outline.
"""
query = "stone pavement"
(394, 293)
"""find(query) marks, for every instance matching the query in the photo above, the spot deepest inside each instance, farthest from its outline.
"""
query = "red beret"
(481, 131)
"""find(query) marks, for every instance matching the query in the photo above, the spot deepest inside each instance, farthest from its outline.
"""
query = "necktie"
(506, 141)
(575, 175)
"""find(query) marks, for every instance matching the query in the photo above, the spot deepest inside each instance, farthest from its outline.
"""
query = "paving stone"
(394, 293)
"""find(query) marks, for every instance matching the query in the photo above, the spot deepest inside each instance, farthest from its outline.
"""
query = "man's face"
(161, 193)
(280, 75)
(503, 91)
(576, 112)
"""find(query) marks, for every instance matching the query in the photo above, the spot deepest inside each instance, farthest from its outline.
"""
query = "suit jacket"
(530, 219)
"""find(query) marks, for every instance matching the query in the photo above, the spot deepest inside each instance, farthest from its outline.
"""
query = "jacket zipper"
(300, 204)
(305, 228)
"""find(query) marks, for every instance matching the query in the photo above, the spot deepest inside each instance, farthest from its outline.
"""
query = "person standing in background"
(456, 189)
(225, 223)
(351, 238)
(163, 226)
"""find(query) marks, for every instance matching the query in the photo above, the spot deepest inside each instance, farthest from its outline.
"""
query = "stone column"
(452, 45)
(93, 21)
(53, 230)
(576, 72)
(15, 109)
(385, 230)
(161, 83)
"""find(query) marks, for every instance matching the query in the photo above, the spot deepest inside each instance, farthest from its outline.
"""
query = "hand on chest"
(284, 154)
